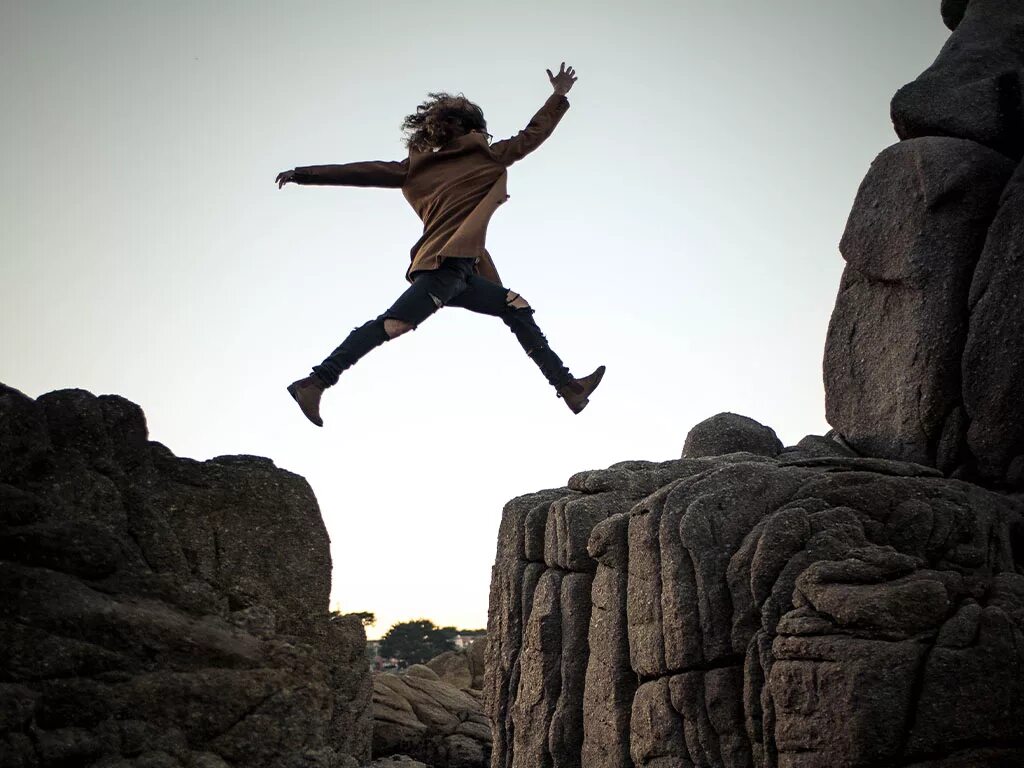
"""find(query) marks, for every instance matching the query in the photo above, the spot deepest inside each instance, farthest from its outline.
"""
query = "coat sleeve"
(374, 173)
(531, 137)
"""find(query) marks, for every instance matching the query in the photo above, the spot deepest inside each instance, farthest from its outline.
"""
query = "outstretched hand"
(563, 81)
(284, 177)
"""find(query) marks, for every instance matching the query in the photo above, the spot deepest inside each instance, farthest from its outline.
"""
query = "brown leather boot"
(307, 393)
(577, 392)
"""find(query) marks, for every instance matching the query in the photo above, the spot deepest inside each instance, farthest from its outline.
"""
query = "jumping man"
(454, 179)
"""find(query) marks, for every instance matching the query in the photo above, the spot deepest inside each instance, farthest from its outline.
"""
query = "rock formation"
(924, 360)
(856, 600)
(416, 713)
(142, 622)
(801, 611)
(462, 667)
(398, 761)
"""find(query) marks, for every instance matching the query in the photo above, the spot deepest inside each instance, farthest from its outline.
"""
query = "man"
(454, 179)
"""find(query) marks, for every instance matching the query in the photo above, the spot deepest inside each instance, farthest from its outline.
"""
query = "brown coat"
(454, 190)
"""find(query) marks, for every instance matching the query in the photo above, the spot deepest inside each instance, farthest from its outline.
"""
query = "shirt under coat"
(454, 190)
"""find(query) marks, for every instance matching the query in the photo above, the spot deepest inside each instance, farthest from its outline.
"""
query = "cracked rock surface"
(142, 622)
(924, 360)
(420, 715)
(799, 611)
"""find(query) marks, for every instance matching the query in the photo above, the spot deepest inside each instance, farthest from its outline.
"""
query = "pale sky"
(680, 226)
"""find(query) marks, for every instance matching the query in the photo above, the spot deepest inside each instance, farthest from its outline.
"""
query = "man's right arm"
(373, 173)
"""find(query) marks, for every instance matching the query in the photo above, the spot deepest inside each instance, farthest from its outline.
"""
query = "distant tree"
(416, 641)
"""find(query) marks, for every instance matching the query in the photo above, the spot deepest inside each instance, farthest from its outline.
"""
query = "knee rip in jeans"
(437, 302)
(394, 327)
(515, 301)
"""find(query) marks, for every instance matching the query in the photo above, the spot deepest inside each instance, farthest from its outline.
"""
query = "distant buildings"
(466, 638)
(378, 663)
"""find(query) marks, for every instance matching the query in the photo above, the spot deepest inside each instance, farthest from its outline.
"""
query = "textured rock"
(924, 361)
(142, 622)
(462, 667)
(421, 716)
(730, 433)
(816, 682)
(897, 334)
(610, 683)
(973, 90)
(993, 360)
(397, 761)
(540, 623)
(953, 12)
(746, 605)
(819, 446)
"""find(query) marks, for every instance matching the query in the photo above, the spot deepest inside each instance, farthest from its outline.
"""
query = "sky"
(680, 226)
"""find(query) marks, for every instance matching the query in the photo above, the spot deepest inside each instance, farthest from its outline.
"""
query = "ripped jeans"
(453, 284)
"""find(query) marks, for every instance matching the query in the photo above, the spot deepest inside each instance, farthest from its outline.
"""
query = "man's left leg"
(485, 297)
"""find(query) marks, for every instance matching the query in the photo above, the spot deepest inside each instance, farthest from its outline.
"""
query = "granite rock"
(973, 90)
(900, 323)
(419, 715)
(740, 610)
(143, 623)
(730, 433)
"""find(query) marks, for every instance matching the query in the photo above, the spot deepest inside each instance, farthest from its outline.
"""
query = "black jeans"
(453, 284)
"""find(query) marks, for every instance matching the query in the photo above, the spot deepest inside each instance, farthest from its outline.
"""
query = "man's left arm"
(542, 124)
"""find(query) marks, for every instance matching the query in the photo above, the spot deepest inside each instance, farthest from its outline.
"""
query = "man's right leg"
(429, 292)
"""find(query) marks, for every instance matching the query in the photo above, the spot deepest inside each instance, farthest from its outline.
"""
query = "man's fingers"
(561, 69)
(550, 76)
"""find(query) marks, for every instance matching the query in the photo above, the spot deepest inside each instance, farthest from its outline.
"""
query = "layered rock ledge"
(142, 622)
(803, 609)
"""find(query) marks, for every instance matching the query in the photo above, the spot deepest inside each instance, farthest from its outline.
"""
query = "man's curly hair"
(441, 118)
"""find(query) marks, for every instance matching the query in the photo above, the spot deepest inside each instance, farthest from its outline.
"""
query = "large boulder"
(804, 611)
(142, 621)
(418, 714)
(730, 433)
(974, 89)
(923, 361)
(900, 323)
(953, 12)
(462, 667)
(993, 359)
